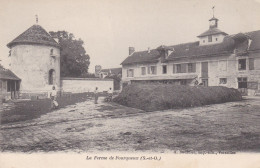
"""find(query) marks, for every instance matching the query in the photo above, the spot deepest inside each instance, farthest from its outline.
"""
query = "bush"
(152, 97)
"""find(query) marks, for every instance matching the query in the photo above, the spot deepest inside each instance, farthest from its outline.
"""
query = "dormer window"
(210, 38)
(169, 52)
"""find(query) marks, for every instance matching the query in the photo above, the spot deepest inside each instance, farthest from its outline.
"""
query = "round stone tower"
(35, 59)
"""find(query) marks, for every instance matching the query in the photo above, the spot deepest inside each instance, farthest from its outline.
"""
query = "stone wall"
(32, 63)
(80, 85)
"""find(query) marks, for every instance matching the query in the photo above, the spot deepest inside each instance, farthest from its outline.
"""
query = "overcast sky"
(109, 27)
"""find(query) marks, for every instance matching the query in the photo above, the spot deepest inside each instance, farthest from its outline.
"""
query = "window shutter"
(173, 69)
(251, 63)
(194, 67)
(127, 74)
(155, 70)
(149, 67)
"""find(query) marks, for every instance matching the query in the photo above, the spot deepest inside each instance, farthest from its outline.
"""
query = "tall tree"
(74, 60)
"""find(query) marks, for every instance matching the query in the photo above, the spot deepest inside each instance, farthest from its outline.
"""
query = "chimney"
(149, 50)
(131, 50)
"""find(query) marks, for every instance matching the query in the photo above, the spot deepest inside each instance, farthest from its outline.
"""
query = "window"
(222, 80)
(51, 76)
(191, 67)
(153, 70)
(251, 64)
(183, 68)
(130, 73)
(178, 66)
(242, 82)
(216, 39)
(143, 69)
(203, 41)
(242, 64)
(209, 38)
(164, 69)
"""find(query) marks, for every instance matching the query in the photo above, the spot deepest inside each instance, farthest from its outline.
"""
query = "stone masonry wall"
(32, 63)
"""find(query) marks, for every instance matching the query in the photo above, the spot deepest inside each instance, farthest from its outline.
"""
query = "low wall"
(79, 85)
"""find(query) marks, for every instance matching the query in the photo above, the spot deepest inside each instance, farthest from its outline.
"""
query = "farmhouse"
(216, 59)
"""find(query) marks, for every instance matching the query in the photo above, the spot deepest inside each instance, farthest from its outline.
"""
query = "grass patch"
(153, 97)
(27, 110)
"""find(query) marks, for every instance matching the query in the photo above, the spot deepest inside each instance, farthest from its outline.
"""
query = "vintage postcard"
(130, 83)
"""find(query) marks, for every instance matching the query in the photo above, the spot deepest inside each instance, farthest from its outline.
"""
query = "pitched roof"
(142, 57)
(7, 74)
(193, 49)
(34, 35)
(227, 46)
(213, 18)
(115, 71)
(255, 37)
(212, 31)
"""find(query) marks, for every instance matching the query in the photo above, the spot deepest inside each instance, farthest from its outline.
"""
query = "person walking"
(96, 95)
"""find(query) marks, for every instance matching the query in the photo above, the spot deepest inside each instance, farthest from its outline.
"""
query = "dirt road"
(88, 127)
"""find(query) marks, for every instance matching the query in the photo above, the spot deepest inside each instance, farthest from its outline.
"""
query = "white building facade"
(217, 59)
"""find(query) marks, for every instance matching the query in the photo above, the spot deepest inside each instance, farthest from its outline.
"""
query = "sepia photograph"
(140, 83)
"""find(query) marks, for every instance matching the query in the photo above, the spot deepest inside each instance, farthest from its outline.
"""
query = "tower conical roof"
(34, 35)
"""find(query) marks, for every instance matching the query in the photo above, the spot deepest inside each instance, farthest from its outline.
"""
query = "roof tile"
(34, 35)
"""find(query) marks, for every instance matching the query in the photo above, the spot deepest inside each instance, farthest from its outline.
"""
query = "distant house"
(217, 59)
(113, 73)
(110, 72)
(9, 84)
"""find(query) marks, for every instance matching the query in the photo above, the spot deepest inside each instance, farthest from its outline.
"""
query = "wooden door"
(204, 70)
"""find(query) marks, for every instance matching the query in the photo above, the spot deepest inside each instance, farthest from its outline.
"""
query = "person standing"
(96, 95)
(54, 103)
(110, 94)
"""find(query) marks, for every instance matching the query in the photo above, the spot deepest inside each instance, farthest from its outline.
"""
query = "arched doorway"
(51, 76)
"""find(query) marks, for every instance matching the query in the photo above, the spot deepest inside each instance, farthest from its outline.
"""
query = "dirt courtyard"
(88, 127)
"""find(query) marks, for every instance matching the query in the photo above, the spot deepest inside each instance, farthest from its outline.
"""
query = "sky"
(109, 27)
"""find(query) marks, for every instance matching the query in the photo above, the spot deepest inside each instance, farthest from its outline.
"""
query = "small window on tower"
(51, 52)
